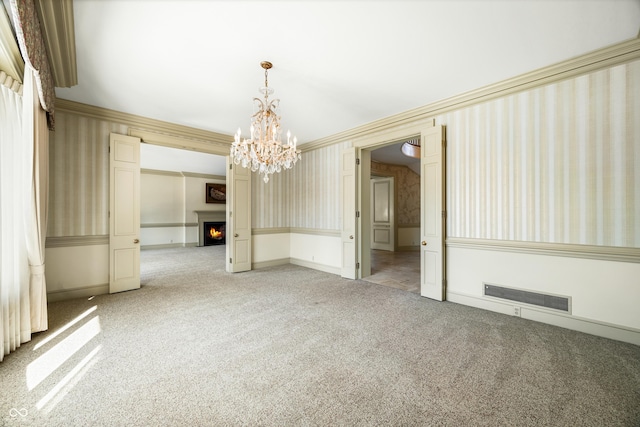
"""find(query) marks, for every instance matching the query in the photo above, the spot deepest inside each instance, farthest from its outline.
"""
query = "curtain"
(24, 141)
(36, 218)
(14, 263)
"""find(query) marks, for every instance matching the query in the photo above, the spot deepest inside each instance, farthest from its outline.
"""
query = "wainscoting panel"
(603, 291)
(555, 164)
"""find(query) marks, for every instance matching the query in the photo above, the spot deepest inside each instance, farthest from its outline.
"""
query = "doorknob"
(236, 235)
(136, 241)
(424, 243)
(351, 237)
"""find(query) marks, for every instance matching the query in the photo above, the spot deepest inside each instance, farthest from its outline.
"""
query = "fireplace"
(214, 233)
(219, 217)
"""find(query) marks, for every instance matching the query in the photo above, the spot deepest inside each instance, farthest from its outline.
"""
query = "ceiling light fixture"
(264, 152)
(411, 148)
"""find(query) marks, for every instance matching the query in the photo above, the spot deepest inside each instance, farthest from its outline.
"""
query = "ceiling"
(336, 64)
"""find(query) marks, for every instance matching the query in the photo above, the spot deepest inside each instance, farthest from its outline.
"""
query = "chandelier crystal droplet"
(264, 151)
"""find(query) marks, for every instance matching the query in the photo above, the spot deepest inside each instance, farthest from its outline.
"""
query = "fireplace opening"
(214, 233)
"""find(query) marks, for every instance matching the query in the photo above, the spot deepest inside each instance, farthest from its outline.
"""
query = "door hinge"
(357, 214)
(357, 266)
(357, 161)
(230, 166)
(230, 260)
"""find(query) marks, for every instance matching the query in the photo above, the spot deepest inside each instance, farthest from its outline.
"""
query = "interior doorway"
(396, 265)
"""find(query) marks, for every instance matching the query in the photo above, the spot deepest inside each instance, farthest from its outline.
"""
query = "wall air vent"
(554, 302)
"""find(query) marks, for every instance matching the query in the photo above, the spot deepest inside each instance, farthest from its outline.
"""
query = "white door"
(124, 213)
(350, 215)
(432, 224)
(382, 218)
(238, 218)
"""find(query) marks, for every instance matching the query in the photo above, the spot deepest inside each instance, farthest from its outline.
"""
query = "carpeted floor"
(289, 346)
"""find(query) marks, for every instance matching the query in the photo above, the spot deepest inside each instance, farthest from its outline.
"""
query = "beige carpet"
(289, 346)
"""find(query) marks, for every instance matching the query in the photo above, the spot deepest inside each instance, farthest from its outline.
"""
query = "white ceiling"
(337, 64)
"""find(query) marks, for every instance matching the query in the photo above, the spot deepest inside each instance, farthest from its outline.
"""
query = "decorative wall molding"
(165, 225)
(204, 175)
(183, 174)
(316, 232)
(296, 230)
(56, 19)
(68, 241)
(603, 253)
(212, 143)
(275, 230)
(151, 130)
(603, 58)
(161, 172)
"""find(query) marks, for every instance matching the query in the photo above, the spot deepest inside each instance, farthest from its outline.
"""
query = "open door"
(350, 215)
(238, 218)
(433, 216)
(124, 213)
(382, 214)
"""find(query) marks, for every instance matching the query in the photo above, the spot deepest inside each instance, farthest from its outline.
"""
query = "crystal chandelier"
(264, 152)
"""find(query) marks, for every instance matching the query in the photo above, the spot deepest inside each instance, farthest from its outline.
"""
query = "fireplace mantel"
(207, 216)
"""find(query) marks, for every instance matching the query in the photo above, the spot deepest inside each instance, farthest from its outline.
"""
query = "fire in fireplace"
(214, 233)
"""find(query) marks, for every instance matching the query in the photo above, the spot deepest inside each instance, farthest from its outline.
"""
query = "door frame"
(209, 147)
(365, 145)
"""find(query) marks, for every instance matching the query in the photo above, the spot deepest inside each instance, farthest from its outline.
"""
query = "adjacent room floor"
(400, 270)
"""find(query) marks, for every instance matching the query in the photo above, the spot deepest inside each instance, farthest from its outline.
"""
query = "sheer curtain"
(23, 207)
(14, 263)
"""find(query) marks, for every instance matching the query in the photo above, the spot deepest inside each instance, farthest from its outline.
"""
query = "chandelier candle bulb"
(264, 152)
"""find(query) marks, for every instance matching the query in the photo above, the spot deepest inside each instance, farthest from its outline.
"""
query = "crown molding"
(602, 58)
(56, 19)
(154, 131)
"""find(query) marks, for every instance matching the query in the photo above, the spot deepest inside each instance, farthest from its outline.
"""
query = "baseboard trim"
(275, 230)
(270, 263)
(316, 232)
(165, 246)
(84, 292)
(575, 323)
(316, 266)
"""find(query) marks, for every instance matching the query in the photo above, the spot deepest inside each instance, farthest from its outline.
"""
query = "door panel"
(382, 219)
(432, 259)
(349, 219)
(124, 213)
(238, 218)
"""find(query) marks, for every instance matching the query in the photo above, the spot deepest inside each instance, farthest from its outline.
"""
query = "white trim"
(601, 329)
(603, 253)
(316, 266)
(84, 292)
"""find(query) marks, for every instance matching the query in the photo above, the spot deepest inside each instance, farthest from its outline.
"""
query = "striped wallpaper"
(79, 176)
(557, 164)
(315, 201)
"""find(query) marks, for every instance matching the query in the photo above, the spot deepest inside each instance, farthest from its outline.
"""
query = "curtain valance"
(34, 53)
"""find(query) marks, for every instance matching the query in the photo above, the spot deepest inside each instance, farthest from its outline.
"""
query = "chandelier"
(264, 151)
